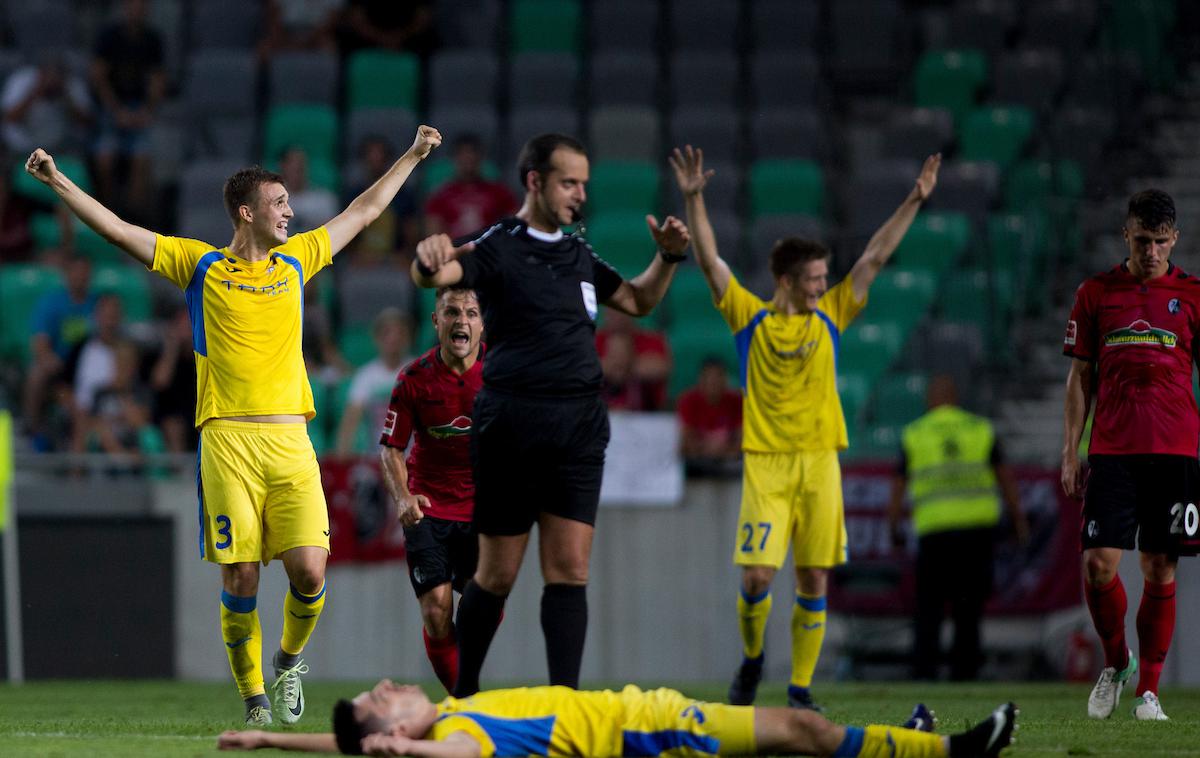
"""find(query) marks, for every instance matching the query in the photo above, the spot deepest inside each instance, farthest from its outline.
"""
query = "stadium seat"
(221, 84)
(798, 132)
(473, 24)
(47, 234)
(1081, 134)
(1065, 25)
(21, 286)
(1018, 245)
(208, 223)
(356, 345)
(453, 120)
(915, 132)
(623, 25)
(129, 281)
(968, 187)
(710, 27)
(25, 185)
(979, 297)
(321, 173)
(364, 291)
(687, 297)
(43, 27)
(397, 125)
(854, 389)
(306, 77)
(981, 25)
(785, 79)
(935, 242)
(542, 79)
(524, 123)
(1037, 184)
(622, 240)
(877, 442)
(623, 77)
(1142, 28)
(715, 129)
(382, 79)
(785, 25)
(950, 79)
(704, 78)
(866, 42)
(220, 24)
(625, 133)
(1031, 78)
(202, 183)
(786, 186)
(997, 134)
(722, 195)
(312, 128)
(548, 25)
(318, 427)
(874, 191)
(899, 399)
(770, 228)
(623, 186)
(436, 171)
(869, 347)
(693, 339)
(903, 295)
(463, 77)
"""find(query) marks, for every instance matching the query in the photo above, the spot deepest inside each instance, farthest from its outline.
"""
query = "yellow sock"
(243, 642)
(890, 742)
(300, 614)
(752, 620)
(808, 633)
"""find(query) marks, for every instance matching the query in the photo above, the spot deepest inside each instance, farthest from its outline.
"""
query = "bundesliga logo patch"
(1173, 305)
(1072, 330)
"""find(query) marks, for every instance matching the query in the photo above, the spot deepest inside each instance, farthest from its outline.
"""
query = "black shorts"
(440, 551)
(533, 456)
(1152, 497)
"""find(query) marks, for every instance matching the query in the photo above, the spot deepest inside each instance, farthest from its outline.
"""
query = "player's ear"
(245, 213)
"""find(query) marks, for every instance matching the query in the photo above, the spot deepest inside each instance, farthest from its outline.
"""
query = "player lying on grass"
(392, 719)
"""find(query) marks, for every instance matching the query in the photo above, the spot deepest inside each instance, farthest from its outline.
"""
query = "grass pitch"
(161, 718)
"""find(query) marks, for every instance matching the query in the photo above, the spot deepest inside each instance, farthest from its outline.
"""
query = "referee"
(540, 426)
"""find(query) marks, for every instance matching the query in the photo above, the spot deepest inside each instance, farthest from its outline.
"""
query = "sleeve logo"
(389, 424)
(1072, 331)
(589, 299)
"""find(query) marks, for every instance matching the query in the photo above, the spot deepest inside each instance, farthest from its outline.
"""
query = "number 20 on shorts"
(1185, 519)
(748, 529)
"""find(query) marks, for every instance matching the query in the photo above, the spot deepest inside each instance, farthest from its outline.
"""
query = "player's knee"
(240, 579)
(810, 729)
(308, 580)
(498, 580)
(437, 620)
(1098, 569)
(756, 579)
(1158, 568)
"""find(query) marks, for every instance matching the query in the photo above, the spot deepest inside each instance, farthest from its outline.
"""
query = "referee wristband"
(424, 270)
(671, 257)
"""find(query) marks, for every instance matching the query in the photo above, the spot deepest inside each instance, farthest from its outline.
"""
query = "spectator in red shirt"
(710, 419)
(468, 202)
(636, 364)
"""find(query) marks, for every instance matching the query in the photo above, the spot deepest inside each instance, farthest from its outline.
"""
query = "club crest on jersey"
(460, 426)
(1173, 305)
(1140, 332)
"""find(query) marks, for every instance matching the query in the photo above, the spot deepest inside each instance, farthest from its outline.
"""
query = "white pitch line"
(97, 736)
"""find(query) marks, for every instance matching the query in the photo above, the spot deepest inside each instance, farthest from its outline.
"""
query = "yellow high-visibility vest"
(950, 476)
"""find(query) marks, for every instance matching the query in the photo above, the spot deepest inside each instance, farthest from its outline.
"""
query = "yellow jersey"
(559, 721)
(789, 369)
(246, 322)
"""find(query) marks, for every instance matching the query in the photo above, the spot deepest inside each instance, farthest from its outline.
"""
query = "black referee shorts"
(533, 456)
(1152, 498)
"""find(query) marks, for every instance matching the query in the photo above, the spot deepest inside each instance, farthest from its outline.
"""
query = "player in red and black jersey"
(434, 490)
(1133, 336)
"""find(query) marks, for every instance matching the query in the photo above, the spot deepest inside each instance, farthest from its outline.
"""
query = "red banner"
(1041, 576)
(362, 517)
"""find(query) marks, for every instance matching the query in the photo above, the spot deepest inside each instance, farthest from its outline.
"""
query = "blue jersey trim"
(514, 736)
(646, 744)
(741, 340)
(194, 295)
(852, 745)
(239, 604)
(306, 599)
(811, 603)
(834, 334)
(200, 495)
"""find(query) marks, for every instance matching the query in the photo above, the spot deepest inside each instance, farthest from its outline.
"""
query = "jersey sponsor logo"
(589, 299)
(459, 427)
(1173, 305)
(799, 353)
(389, 423)
(1140, 332)
(1072, 332)
(276, 288)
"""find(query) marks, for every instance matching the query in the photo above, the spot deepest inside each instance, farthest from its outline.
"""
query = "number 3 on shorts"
(223, 527)
(764, 528)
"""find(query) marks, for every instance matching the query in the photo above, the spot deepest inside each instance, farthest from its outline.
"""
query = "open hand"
(40, 165)
(672, 237)
(689, 169)
(250, 739)
(928, 178)
(427, 139)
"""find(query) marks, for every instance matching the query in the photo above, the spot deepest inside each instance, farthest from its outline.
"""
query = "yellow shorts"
(666, 722)
(791, 496)
(260, 491)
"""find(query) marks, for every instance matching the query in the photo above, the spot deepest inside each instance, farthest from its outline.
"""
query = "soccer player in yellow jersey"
(792, 426)
(257, 477)
(392, 719)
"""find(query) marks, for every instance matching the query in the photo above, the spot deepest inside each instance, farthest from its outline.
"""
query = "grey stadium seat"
(785, 79)
(201, 183)
(969, 187)
(42, 27)
(543, 79)
(866, 38)
(1066, 25)
(303, 77)
(701, 78)
(469, 23)
(1080, 134)
(717, 130)
(221, 83)
(1031, 78)
(710, 26)
(623, 77)
(215, 24)
(917, 132)
(364, 291)
(524, 123)
(875, 191)
(624, 25)
(768, 229)
(784, 24)
(207, 223)
(463, 77)
(397, 125)
(790, 133)
(625, 133)
(981, 25)
(452, 121)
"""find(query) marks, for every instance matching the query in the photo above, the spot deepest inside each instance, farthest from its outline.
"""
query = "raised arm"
(409, 507)
(133, 239)
(1075, 410)
(639, 295)
(887, 238)
(366, 207)
(691, 177)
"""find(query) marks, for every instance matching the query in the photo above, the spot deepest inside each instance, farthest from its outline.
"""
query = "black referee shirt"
(539, 300)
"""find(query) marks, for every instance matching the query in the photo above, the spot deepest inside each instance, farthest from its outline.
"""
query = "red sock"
(1108, 604)
(443, 654)
(1155, 625)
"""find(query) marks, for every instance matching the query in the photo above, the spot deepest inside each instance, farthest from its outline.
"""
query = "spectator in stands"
(468, 202)
(322, 359)
(98, 357)
(62, 320)
(951, 463)
(371, 387)
(390, 25)
(129, 82)
(45, 105)
(16, 238)
(119, 422)
(291, 25)
(311, 206)
(710, 423)
(392, 236)
(642, 386)
(173, 382)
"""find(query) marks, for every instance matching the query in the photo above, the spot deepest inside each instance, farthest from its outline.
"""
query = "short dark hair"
(790, 252)
(241, 188)
(535, 155)
(1153, 209)
(347, 732)
(453, 288)
(714, 361)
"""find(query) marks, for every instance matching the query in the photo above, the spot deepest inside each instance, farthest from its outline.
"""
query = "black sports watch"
(671, 257)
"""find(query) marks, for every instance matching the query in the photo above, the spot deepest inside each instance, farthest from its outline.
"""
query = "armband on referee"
(671, 257)
(424, 270)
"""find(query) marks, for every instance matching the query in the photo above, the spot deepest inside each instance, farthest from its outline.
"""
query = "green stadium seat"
(25, 185)
(357, 346)
(950, 79)
(903, 295)
(423, 334)
(881, 442)
(545, 26)
(934, 242)
(130, 282)
(48, 235)
(1018, 245)
(1142, 26)
(899, 398)
(21, 286)
(322, 172)
(786, 186)
(869, 347)
(694, 339)
(318, 428)
(437, 171)
(1037, 183)
(687, 296)
(996, 133)
(382, 79)
(854, 389)
(617, 186)
(978, 297)
(312, 128)
(623, 240)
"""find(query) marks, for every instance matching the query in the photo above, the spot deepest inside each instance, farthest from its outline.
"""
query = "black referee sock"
(479, 613)
(564, 622)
